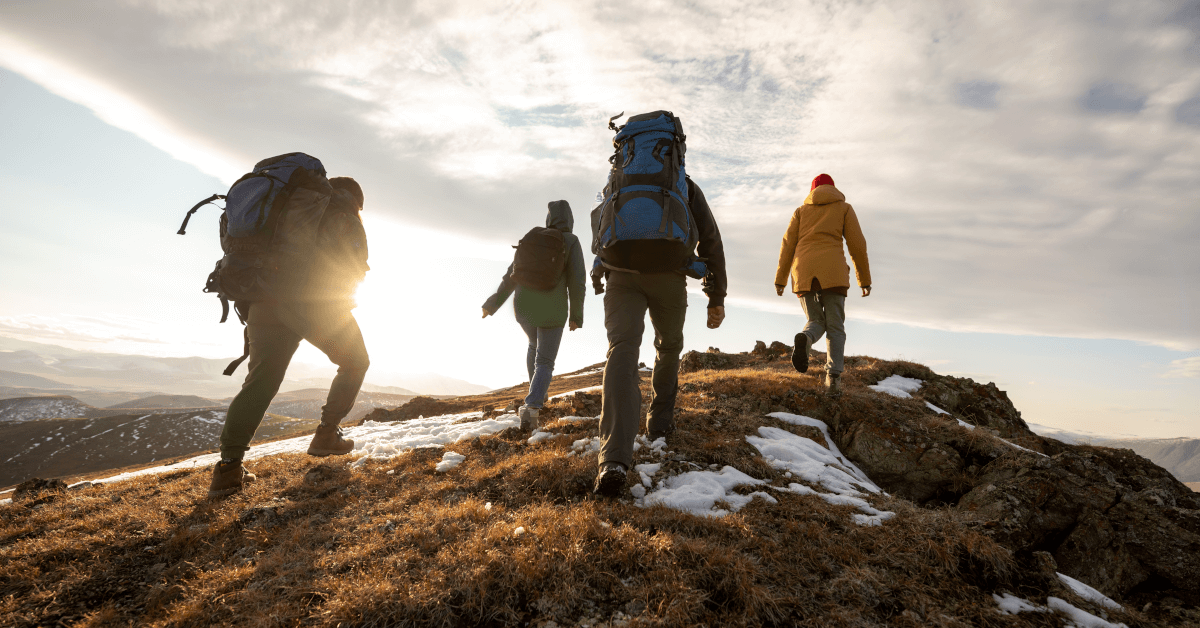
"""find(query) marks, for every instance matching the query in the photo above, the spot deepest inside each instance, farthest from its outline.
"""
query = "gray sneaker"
(529, 418)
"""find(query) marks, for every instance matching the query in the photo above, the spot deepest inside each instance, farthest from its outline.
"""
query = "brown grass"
(398, 544)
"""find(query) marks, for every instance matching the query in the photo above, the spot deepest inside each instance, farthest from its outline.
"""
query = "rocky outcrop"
(1108, 517)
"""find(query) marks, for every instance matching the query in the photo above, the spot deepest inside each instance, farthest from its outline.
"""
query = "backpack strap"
(245, 354)
(193, 210)
(242, 309)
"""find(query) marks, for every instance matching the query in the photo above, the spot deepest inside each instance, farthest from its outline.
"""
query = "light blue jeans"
(539, 360)
(827, 316)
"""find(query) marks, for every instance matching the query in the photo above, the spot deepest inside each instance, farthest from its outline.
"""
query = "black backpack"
(540, 259)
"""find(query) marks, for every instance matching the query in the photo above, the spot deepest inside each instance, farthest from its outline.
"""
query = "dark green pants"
(276, 330)
(626, 300)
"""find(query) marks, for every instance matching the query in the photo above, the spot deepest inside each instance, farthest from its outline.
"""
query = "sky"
(1027, 174)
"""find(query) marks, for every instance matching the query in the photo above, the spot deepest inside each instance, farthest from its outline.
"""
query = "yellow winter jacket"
(812, 246)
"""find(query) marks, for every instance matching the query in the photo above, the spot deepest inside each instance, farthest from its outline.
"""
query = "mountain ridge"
(499, 527)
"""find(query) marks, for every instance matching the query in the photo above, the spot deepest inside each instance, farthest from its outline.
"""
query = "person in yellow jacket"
(812, 254)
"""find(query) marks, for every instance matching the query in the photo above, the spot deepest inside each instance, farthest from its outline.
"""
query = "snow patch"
(572, 392)
(1011, 604)
(936, 409)
(450, 459)
(699, 492)
(898, 386)
(1079, 617)
(1088, 593)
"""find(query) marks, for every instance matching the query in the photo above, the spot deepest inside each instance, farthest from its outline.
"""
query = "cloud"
(1184, 368)
(1021, 168)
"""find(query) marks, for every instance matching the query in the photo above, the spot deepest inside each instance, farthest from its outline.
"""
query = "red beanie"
(822, 179)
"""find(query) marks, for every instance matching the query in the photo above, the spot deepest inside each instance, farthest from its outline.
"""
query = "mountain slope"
(30, 408)
(167, 401)
(762, 509)
(1180, 456)
(68, 447)
(25, 380)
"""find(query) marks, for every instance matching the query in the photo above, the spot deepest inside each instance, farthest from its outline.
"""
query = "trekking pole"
(193, 210)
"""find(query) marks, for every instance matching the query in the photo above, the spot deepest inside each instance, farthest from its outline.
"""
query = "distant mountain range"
(1180, 456)
(50, 369)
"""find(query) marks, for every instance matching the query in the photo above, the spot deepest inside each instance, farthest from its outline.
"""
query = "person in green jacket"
(542, 314)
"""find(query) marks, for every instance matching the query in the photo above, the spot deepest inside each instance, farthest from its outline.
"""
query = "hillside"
(1180, 456)
(167, 401)
(48, 407)
(70, 447)
(913, 500)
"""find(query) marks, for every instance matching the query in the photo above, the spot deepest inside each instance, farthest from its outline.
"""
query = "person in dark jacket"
(319, 312)
(628, 297)
(543, 313)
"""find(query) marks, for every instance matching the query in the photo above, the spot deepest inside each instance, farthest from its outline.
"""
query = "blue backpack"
(644, 223)
(269, 232)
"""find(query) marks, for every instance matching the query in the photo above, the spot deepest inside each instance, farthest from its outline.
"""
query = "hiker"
(316, 309)
(547, 272)
(646, 234)
(812, 253)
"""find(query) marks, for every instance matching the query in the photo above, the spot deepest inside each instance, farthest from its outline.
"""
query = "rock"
(760, 348)
(34, 488)
(1107, 517)
(977, 404)
(711, 360)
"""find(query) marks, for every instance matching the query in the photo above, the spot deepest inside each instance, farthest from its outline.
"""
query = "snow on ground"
(387, 440)
(450, 459)
(936, 409)
(572, 392)
(371, 441)
(1088, 593)
(699, 492)
(898, 386)
(1011, 604)
(1077, 617)
(577, 419)
(820, 466)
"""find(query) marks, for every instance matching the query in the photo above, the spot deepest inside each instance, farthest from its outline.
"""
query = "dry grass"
(398, 544)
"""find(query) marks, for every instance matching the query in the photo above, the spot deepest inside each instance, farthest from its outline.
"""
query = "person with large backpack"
(652, 230)
(547, 275)
(295, 251)
(811, 255)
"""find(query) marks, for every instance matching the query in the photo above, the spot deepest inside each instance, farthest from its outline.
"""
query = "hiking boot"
(833, 384)
(610, 481)
(800, 353)
(529, 418)
(328, 441)
(228, 478)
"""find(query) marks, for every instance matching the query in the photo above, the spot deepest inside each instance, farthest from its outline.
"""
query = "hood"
(560, 217)
(824, 195)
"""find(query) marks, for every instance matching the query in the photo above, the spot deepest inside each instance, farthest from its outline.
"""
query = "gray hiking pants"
(626, 300)
(276, 330)
(827, 315)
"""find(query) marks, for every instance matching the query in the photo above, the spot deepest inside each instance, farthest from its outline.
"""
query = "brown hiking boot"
(328, 441)
(228, 478)
(833, 384)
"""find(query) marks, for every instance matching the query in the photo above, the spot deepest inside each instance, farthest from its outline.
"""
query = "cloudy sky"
(1027, 173)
